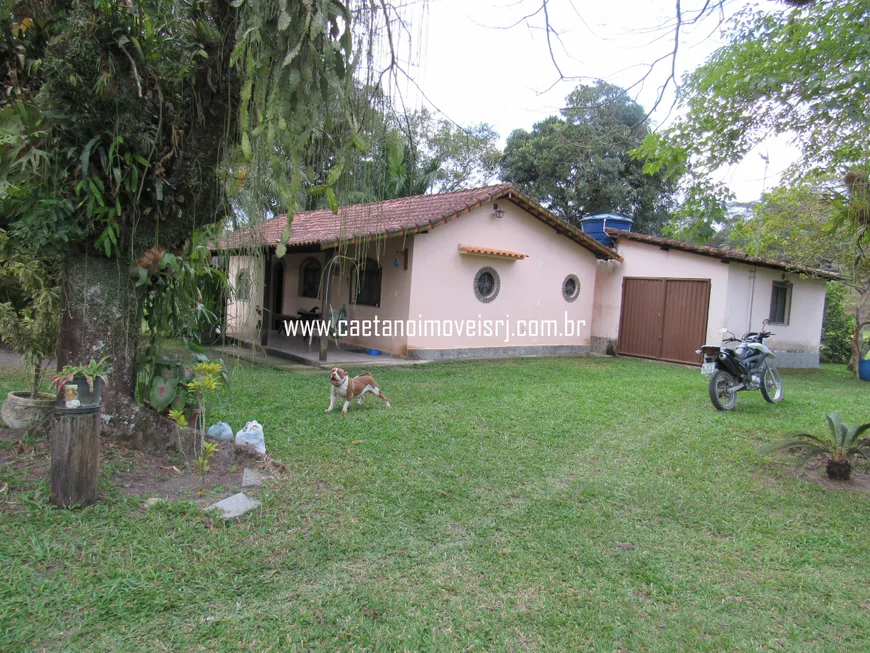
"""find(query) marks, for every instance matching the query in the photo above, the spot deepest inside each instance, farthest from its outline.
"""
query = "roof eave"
(724, 255)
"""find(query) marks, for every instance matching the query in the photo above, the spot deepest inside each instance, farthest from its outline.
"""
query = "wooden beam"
(324, 300)
(266, 308)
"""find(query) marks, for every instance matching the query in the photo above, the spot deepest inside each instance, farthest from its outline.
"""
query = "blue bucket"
(864, 369)
(374, 352)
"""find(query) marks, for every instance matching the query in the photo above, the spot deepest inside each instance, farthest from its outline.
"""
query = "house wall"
(740, 298)
(644, 260)
(442, 288)
(395, 289)
(749, 297)
(241, 314)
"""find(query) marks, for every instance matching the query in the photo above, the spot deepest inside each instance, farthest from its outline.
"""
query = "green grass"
(480, 513)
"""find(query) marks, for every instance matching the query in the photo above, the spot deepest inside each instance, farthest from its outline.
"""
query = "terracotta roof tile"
(488, 251)
(408, 215)
(722, 254)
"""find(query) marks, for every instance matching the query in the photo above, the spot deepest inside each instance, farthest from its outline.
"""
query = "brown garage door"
(665, 319)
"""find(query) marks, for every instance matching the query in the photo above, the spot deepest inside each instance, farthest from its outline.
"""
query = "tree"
(465, 157)
(797, 69)
(579, 163)
(124, 126)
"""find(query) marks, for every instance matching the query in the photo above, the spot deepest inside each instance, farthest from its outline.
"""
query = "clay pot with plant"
(28, 326)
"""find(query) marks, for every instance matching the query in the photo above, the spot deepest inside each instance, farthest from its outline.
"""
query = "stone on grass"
(251, 478)
(235, 506)
(150, 503)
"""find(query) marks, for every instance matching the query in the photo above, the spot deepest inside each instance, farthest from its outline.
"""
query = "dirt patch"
(26, 460)
(815, 473)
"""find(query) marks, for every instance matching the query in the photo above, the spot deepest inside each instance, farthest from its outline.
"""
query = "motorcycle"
(746, 367)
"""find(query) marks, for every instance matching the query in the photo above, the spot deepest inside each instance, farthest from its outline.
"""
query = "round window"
(571, 288)
(486, 285)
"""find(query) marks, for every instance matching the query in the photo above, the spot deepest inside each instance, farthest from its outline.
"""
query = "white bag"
(252, 436)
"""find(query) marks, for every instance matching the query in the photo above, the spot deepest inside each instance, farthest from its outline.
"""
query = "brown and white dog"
(350, 388)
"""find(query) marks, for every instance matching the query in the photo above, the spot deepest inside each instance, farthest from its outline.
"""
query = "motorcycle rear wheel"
(771, 385)
(721, 394)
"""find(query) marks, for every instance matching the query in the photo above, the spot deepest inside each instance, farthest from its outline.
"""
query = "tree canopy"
(799, 69)
(579, 163)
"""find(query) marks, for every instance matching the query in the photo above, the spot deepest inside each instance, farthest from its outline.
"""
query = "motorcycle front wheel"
(771, 385)
(722, 394)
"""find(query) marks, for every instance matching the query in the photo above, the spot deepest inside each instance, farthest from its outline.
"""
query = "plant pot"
(86, 396)
(20, 411)
(864, 369)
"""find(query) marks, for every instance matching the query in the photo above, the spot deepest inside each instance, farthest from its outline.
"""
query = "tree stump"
(75, 458)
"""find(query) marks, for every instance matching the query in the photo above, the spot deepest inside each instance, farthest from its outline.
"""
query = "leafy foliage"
(843, 445)
(201, 463)
(799, 70)
(163, 392)
(579, 163)
(29, 327)
(838, 327)
(95, 369)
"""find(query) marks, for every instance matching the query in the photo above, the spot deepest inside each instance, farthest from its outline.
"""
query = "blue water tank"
(594, 226)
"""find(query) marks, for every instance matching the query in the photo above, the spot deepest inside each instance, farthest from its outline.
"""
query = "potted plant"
(841, 448)
(88, 380)
(28, 325)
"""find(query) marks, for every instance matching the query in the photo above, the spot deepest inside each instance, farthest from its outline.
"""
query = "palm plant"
(841, 448)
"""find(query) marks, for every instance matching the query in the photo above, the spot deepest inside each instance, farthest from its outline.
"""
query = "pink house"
(489, 272)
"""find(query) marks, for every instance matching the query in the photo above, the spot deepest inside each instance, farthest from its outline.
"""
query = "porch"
(298, 349)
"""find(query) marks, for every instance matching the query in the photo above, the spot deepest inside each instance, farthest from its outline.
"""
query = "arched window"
(309, 278)
(243, 285)
(365, 284)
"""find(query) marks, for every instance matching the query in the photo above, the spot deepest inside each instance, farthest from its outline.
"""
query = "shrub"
(838, 326)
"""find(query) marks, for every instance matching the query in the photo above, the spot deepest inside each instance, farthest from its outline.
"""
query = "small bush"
(837, 327)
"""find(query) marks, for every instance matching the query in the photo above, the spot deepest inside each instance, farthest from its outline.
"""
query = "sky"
(480, 61)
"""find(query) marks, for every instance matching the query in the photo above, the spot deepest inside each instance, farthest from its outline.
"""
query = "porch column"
(266, 308)
(324, 300)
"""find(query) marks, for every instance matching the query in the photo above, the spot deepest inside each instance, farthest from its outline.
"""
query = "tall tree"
(124, 124)
(579, 163)
(796, 68)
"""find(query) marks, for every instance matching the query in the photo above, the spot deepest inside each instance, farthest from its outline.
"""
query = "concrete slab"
(251, 478)
(235, 506)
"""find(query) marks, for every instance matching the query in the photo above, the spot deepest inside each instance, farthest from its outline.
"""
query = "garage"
(664, 318)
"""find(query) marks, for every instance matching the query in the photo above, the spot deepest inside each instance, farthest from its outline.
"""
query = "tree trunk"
(102, 316)
(75, 459)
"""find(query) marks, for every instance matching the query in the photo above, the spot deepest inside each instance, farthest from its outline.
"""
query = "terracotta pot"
(20, 411)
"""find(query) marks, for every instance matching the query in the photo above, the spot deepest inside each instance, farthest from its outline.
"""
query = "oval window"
(486, 284)
(571, 288)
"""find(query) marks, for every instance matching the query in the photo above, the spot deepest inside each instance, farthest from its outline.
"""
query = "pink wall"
(644, 260)
(749, 298)
(442, 286)
(740, 297)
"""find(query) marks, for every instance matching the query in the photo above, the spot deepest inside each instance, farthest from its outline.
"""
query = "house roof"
(724, 255)
(399, 217)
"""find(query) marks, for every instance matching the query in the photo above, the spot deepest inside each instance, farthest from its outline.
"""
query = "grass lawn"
(481, 513)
